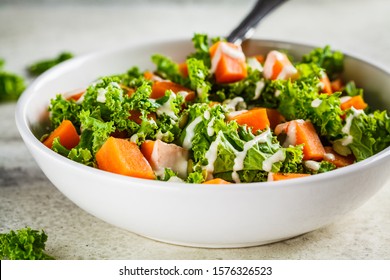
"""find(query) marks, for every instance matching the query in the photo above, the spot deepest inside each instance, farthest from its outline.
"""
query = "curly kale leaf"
(249, 88)
(233, 152)
(351, 90)
(370, 132)
(201, 45)
(62, 109)
(301, 100)
(195, 177)
(11, 85)
(168, 69)
(24, 244)
(100, 130)
(198, 74)
(331, 61)
(39, 67)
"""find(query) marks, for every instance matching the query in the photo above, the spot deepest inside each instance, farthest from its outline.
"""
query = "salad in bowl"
(221, 116)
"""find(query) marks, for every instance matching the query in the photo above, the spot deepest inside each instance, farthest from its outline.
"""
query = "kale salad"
(220, 117)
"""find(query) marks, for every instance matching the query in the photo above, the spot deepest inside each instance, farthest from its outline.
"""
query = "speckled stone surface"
(30, 32)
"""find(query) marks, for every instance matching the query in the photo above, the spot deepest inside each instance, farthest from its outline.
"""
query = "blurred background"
(33, 29)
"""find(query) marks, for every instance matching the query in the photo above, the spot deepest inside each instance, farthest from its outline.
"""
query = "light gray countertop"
(29, 32)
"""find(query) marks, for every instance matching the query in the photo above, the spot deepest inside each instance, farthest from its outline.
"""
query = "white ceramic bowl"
(234, 215)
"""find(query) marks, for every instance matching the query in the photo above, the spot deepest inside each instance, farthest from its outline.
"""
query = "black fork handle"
(245, 29)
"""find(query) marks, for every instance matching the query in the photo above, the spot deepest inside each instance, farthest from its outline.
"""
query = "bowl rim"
(27, 135)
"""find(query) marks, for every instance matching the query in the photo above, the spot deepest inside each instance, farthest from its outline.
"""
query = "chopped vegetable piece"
(303, 132)
(277, 66)
(257, 119)
(274, 117)
(336, 85)
(260, 58)
(123, 157)
(326, 87)
(286, 176)
(160, 87)
(183, 69)
(227, 62)
(76, 96)
(162, 155)
(338, 160)
(216, 181)
(149, 76)
(355, 101)
(67, 135)
(147, 149)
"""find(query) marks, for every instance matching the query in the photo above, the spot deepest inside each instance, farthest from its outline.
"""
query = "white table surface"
(42, 29)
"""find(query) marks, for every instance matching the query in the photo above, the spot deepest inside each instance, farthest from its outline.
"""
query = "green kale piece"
(168, 174)
(370, 132)
(62, 109)
(39, 67)
(351, 90)
(198, 74)
(195, 177)
(201, 45)
(168, 69)
(11, 85)
(230, 151)
(246, 88)
(331, 61)
(100, 130)
(23, 244)
(58, 148)
(301, 100)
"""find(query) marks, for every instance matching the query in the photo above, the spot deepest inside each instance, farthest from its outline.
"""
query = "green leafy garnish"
(39, 67)
(23, 244)
(11, 85)
(331, 61)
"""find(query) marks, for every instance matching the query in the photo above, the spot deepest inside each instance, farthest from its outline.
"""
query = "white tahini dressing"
(134, 138)
(347, 127)
(259, 88)
(287, 71)
(231, 115)
(101, 97)
(291, 138)
(313, 165)
(190, 132)
(175, 179)
(329, 156)
(276, 157)
(210, 129)
(211, 154)
(232, 104)
(254, 64)
(166, 108)
(227, 50)
(344, 99)
(270, 177)
(240, 156)
(183, 93)
(206, 114)
(316, 102)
